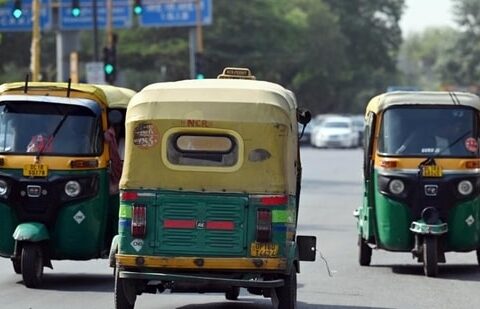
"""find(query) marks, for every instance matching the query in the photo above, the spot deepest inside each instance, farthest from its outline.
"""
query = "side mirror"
(114, 117)
(303, 116)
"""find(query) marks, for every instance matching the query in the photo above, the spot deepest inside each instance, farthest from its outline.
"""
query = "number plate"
(35, 170)
(258, 249)
(432, 171)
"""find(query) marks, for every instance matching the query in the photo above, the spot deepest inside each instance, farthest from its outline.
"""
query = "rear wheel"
(364, 252)
(233, 293)
(32, 265)
(430, 256)
(125, 294)
(287, 294)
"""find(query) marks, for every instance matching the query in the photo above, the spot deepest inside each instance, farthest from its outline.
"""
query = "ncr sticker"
(145, 135)
(471, 144)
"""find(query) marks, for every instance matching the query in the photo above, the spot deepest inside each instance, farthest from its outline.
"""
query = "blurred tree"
(424, 56)
(372, 39)
(462, 67)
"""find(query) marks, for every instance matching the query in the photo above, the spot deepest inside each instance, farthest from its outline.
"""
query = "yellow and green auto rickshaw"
(422, 176)
(55, 168)
(209, 191)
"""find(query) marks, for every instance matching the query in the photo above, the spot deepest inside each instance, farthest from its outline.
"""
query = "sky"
(421, 14)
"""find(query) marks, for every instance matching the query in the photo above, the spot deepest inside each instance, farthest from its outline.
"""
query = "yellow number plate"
(432, 171)
(263, 249)
(35, 170)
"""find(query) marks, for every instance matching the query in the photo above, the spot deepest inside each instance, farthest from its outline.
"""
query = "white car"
(335, 132)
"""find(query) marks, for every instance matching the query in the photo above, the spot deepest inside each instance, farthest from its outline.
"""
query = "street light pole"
(35, 47)
(95, 31)
(109, 24)
(198, 12)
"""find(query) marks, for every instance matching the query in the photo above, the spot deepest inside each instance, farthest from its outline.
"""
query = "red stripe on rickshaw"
(179, 224)
(220, 225)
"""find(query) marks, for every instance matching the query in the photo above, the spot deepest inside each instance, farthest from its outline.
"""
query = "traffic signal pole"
(35, 48)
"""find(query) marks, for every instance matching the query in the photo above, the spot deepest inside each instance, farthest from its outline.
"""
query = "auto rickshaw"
(422, 176)
(209, 191)
(55, 165)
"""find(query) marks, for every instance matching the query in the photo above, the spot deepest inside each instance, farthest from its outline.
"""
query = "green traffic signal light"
(108, 68)
(17, 9)
(137, 7)
(75, 12)
(138, 10)
(17, 13)
(75, 8)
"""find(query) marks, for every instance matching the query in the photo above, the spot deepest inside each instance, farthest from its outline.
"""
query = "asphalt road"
(332, 189)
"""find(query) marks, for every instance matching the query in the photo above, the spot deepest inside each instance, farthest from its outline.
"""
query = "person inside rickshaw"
(113, 136)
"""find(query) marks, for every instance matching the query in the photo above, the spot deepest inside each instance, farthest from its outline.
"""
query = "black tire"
(430, 256)
(17, 266)
(364, 252)
(32, 265)
(478, 256)
(233, 293)
(125, 295)
(287, 294)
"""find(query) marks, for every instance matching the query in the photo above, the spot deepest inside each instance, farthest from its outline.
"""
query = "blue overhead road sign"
(121, 15)
(24, 23)
(174, 13)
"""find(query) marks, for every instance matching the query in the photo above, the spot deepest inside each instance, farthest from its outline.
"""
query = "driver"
(40, 143)
(43, 140)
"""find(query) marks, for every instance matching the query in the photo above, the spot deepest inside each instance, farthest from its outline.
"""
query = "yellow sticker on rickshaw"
(35, 170)
(258, 249)
(432, 171)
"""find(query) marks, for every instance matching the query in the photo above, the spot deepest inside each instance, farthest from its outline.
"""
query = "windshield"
(49, 128)
(422, 131)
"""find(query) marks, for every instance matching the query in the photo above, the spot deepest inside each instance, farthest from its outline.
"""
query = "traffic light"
(75, 8)
(199, 66)
(110, 64)
(17, 9)
(137, 7)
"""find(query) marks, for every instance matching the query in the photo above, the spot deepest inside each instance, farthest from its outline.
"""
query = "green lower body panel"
(464, 227)
(393, 223)
(79, 232)
(8, 223)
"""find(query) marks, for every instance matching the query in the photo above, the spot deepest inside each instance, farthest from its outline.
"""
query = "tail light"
(273, 200)
(139, 220)
(264, 225)
(127, 196)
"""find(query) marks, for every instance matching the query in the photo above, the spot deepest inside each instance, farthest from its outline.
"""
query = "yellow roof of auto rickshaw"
(385, 100)
(117, 97)
(224, 91)
(111, 96)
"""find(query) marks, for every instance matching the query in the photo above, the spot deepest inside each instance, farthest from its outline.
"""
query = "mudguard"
(31, 231)
(113, 251)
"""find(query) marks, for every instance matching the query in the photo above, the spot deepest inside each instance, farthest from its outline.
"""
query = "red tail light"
(264, 225)
(274, 200)
(129, 196)
(139, 220)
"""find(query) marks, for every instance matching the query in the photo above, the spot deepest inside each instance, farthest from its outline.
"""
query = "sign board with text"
(121, 15)
(175, 13)
(24, 23)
